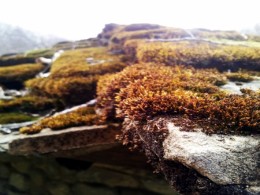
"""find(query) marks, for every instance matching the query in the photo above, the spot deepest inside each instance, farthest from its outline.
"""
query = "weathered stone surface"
(19, 181)
(223, 159)
(72, 138)
(150, 137)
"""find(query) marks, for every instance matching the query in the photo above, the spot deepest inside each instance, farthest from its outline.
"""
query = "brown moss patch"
(144, 91)
(79, 117)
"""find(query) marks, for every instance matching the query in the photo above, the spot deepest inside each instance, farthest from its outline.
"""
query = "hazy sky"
(76, 19)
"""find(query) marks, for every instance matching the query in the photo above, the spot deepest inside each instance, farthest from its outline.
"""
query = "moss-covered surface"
(18, 74)
(47, 53)
(239, 76)
(79, 117)
(15, 60)
(201, 55)
(143, 91)
(31, 104)
(73, 80)
(156, 85)
(15, 117)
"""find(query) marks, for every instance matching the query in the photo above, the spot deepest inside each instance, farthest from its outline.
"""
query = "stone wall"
(48, 176)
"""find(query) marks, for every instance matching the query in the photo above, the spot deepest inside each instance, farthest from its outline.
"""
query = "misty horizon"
(80, 20)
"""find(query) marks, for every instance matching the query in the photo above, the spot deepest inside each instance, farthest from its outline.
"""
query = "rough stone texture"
(149, 138)
(49, 141)
(223, 159)
(47, 176)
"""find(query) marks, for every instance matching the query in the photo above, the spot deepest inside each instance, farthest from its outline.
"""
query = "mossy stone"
(21, 165)
(19, 182)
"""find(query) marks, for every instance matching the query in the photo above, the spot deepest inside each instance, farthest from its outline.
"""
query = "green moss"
(33, 104)
(19, 73)
(201, 55)
(240, 77)
(15, 117)
(73, 80)
(47, 53)
(15, 60)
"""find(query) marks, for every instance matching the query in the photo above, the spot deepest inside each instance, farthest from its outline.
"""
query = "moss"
(79, 117)
(73, 80)
(47, 53)
(19, 73)
(15, 117)
(141, 92)
(240, 77)
(28, 104)
(15, 60)
(201, 55)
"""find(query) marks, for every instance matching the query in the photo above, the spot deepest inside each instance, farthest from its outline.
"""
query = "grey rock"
(224, 159)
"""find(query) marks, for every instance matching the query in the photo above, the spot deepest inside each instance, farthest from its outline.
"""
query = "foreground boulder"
(196, 163)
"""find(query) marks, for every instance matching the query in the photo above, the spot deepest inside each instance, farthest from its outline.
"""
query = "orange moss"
(147, 90)
(200, 55)
(79, 117)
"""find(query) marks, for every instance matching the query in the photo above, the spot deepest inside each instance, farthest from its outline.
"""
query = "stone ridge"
(72, 138)
(224, 159)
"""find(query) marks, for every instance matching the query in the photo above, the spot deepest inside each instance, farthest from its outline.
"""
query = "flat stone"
(49, 141)
(224, 159)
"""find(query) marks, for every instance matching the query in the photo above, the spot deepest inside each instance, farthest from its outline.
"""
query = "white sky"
(76, 19)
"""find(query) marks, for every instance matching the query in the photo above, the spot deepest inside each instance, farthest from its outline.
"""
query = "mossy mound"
(15, 60)
(31, 104)
(47, 53)
(16, 75)
(15, 117)
(73, 79)
(200, 55)
(143, 91)
(79, 117)
(240, 77)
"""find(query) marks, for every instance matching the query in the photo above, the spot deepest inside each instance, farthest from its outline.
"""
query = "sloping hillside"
(15, 39)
